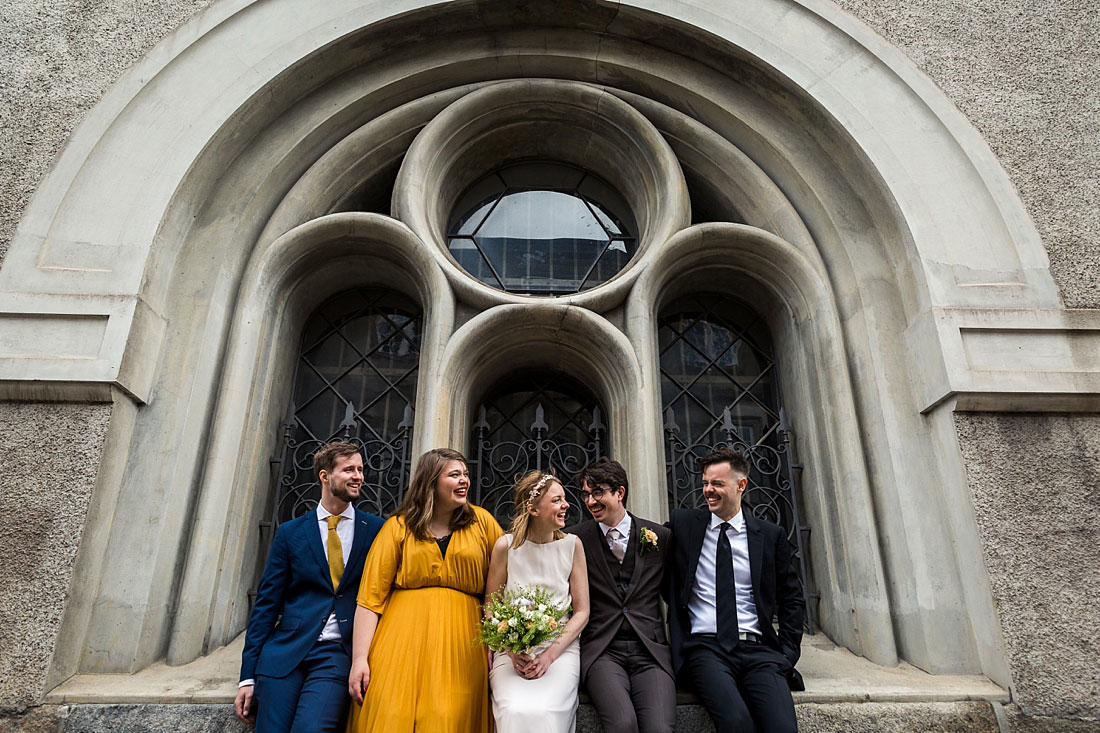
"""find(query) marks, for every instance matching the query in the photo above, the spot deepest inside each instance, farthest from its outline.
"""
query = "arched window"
(534, 421)
(355, 380)
(720, 388)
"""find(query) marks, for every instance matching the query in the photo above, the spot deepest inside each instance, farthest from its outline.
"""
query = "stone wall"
(57, 58)
(1035, 482)
(1021, 72)
(49, 455)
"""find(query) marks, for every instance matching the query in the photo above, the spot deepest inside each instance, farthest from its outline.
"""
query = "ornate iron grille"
(544, 422)
(720, 388)
(355, 381)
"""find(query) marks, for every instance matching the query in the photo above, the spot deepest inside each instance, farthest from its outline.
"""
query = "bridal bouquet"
(521, 619)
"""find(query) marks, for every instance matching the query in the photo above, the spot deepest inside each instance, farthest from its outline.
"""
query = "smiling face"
(452, 486)
(722, 488)
(550, 508)
(604, 503)
(345, 480)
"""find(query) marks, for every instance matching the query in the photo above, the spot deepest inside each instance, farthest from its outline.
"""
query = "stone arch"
(561, 337)
(282, 285)
(790, 287)
(166, 219)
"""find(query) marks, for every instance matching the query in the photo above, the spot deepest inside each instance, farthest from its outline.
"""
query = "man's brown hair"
(326, 456)
(738, 462)
(603, 470)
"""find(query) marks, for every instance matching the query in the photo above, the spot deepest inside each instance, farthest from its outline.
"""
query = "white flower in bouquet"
(521, 619)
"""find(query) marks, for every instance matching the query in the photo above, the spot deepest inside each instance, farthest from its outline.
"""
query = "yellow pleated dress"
(426, 673)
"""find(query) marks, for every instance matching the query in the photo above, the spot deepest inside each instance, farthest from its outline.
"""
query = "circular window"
(542, 228)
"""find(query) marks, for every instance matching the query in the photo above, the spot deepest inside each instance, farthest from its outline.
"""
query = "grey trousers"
(630, 691)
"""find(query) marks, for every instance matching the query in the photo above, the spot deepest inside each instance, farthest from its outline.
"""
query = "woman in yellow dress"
(415, 665)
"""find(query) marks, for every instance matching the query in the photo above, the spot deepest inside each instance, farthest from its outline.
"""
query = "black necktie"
(725, 592)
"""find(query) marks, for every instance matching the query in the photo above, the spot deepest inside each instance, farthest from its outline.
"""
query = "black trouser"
(742, 690)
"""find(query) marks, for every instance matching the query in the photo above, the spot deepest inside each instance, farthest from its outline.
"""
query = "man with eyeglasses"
(626, 665)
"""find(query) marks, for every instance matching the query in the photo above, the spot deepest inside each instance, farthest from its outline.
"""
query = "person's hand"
(519, 663)
(358, 680)
(538, 666)
(243, 704)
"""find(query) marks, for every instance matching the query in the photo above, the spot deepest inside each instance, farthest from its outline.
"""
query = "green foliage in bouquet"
(520, 619)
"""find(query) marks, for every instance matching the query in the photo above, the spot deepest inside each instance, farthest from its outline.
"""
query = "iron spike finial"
(540, 419)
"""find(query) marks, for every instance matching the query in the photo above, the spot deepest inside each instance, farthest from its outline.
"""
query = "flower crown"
(534, 493)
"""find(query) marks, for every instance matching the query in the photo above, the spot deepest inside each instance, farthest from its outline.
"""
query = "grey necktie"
(612, 542)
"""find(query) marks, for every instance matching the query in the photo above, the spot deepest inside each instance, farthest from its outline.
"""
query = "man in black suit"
(626, 665)
(731, 573)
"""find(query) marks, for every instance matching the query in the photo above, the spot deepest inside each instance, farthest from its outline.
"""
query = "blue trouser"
(311, 699)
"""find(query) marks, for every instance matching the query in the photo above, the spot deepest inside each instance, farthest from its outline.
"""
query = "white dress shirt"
(701, 607)
(345, 530)
(624, 532)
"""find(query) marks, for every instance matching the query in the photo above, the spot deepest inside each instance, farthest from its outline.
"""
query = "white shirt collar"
(349, 512)
(737, 521)
(623, 526)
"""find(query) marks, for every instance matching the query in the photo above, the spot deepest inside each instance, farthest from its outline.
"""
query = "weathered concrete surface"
(1021, 73)
(960, 717)
(833, 675)
(49, 455)
(1035, 483)
(58, 59)
(1024, 74)
(1020, 722)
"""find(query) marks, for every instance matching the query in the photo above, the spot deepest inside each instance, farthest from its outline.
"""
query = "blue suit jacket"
(296, 583)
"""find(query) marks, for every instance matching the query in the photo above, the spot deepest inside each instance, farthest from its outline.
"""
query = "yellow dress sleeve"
(382, 565)
(493, 532)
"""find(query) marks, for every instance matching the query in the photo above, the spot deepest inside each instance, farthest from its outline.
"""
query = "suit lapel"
(756, 552)
(699, 523)
(358, 546)
(634, 545)
(312, 537)
(594, 540)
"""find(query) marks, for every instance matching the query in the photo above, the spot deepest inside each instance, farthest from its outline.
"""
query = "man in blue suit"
(297, 651)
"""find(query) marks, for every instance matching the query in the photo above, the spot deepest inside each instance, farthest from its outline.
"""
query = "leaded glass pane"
(355, 380)
(542, 228)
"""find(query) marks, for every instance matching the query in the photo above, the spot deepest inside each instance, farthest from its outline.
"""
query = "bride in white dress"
(537, 692)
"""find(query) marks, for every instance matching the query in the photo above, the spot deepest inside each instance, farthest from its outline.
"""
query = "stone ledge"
(953, 717)
(833, 675)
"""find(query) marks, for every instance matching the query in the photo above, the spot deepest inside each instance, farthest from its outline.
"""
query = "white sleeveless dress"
(548, 704)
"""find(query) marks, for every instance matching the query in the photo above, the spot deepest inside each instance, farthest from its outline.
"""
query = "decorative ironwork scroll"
(355, 381)
(543, 422)
(720, 388)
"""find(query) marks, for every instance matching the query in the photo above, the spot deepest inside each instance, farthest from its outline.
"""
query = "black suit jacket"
(775, 585)
(639, 605)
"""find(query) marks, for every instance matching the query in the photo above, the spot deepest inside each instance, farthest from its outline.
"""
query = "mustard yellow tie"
(335, 552)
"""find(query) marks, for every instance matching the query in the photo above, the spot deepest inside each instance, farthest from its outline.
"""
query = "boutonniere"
(647, 538)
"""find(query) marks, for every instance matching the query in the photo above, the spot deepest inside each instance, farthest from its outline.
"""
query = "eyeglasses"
(596, 493)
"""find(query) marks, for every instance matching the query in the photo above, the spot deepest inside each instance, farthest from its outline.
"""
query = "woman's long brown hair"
(419, 501)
